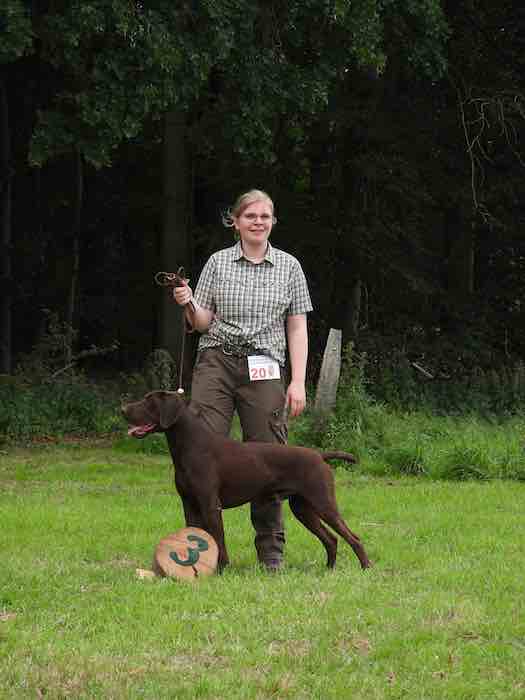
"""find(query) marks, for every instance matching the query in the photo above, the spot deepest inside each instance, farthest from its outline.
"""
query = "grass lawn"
(441, 614)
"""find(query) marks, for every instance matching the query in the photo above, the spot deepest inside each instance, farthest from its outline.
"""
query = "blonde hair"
(243, 201)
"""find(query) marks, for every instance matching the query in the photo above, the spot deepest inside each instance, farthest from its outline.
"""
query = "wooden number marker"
(187, 554)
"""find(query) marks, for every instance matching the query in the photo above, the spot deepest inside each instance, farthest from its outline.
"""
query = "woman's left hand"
(295, 398)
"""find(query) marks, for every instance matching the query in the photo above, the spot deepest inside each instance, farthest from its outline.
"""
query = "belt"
(237, 350)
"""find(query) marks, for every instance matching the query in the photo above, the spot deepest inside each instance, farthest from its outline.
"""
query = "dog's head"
(155, 413)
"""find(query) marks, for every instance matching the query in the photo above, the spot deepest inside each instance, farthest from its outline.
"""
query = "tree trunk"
(75, 256)
(461, 260)
(175, 249)
(6, 287)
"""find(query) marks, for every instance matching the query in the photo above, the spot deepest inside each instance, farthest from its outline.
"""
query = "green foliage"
(49, 352)
(288, 62)
(419, 32)
(15, 30)
(121, 62)
(385, 440)
(118, 63)
(405, 459)
(390, 439)
(55, 409)
(358, 423)
(465, 462)
(437, 374)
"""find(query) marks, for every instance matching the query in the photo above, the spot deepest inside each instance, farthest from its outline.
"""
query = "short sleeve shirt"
(251, 300)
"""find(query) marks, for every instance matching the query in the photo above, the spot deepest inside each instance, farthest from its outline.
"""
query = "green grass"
(387, 439)
(441, 614)
(392, 442)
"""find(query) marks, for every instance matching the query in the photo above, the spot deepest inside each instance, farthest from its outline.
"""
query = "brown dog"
(213, 472)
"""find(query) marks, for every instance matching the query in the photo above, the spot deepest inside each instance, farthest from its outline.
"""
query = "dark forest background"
(388, 132)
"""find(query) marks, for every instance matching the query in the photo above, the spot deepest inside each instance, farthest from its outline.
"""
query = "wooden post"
(326, 393)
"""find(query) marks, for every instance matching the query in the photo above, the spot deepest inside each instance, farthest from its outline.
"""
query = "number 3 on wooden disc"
(187, 554)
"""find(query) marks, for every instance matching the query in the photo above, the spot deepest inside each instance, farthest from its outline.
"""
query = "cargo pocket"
(279, 426)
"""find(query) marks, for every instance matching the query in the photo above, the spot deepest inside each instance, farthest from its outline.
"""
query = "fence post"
(326, 393)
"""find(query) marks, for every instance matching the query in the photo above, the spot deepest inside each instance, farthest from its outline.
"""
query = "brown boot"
(269, 538)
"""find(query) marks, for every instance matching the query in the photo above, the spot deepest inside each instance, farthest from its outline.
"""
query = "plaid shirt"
(251, 301)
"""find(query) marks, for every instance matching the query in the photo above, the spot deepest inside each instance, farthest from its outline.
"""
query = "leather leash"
(172, 280)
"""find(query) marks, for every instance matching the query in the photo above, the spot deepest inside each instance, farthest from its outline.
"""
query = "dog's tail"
(338, 454)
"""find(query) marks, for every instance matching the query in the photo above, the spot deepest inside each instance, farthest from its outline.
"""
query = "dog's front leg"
(192, 514)
(213, 523)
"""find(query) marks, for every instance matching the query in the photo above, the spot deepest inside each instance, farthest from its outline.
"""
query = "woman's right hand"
(183, 295)
(198, 318)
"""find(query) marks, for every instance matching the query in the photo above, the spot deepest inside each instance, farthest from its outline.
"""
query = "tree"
(282, 99)
(486, 85)
(16, 40)
(361, 179)
(115, 63)
(263, 64)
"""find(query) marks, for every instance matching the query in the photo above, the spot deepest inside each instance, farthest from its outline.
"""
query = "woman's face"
(255, 222)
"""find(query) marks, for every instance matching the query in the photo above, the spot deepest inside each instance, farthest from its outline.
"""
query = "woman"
(250, 305)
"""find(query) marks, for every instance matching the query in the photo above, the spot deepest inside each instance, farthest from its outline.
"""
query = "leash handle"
(172, 280)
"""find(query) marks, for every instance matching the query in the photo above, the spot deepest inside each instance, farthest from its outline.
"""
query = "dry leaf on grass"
(5, 616)
(145, 573)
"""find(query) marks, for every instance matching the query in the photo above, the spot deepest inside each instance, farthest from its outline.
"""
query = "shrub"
(358, 423)
(466, 462)
(405, 459)
(55, 409)
(412, 371)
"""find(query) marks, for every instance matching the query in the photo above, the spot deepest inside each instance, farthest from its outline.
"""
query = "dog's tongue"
(140, 431)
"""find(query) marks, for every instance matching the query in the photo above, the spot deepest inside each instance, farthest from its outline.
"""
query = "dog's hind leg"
(332, 518)
(304, 512)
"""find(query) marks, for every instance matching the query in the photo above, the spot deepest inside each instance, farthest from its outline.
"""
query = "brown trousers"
(220, 386)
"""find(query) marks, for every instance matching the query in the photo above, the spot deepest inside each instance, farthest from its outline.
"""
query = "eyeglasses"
(254, 217)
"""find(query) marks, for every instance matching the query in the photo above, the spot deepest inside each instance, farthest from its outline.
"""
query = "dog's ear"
(169, 406)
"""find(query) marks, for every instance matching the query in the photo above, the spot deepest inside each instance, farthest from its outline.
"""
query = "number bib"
(263, 367)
